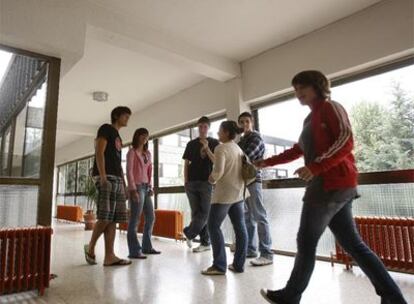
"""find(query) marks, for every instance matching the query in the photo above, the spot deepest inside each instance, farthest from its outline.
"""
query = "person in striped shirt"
(256, 218)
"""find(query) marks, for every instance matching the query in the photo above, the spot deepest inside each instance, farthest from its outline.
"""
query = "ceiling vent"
(100, 96)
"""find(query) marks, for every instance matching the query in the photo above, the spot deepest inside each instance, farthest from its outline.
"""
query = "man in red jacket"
(326, 144)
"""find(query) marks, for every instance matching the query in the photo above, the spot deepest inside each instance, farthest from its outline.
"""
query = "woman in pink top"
(139, 172)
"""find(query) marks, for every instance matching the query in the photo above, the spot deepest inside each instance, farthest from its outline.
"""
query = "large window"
(21, 154)
(28, 110)
(381, 110)
(72, 179)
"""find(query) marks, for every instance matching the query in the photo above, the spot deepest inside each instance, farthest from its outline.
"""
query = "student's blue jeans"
(316, 216)
(199, 196)
(218, 213)
(256, 221)
(136, 208)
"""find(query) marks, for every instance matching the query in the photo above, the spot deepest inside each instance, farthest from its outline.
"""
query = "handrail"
(20, 181)
(371, 178)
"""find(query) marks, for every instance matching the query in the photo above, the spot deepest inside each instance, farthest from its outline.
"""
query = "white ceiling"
(129, 78)
(231, 30)
(236, 29)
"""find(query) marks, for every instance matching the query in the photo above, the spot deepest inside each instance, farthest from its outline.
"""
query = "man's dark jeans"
(199, 196)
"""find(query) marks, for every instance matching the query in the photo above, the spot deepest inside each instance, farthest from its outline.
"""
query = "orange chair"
(69, 213)
(168, 224)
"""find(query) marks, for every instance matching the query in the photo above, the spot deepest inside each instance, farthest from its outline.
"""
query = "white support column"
(236, 105)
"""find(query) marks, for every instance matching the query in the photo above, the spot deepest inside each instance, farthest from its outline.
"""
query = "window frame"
(49, 73)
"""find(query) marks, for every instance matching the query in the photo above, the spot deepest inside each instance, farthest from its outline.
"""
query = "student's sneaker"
(189, 243)
(201, 248)
(261, 261)
(273, 296)
(212, 270)
(233, 269)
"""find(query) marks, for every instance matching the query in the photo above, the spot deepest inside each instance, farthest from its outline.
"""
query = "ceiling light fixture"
(100, 96)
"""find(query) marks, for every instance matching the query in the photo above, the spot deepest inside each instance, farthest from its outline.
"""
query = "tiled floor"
(174, 277)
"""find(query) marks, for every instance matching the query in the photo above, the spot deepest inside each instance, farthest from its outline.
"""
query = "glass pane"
(284, 209)
(83, 174)
(281, 131)
(69, 200)
(18, 149)
(385, 200)
(171, 149)
(61, 179)
(60, 200)
(34, 131)
(70, 178)
(18, 206)
(6, 152)
(82, 201)
(381, 109)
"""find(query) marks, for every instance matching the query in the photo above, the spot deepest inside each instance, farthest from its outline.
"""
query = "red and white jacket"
(333, 143)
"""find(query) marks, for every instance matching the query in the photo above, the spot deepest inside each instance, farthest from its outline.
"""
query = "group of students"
(215, 188)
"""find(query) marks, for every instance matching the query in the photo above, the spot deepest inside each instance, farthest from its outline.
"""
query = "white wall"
(379, 31)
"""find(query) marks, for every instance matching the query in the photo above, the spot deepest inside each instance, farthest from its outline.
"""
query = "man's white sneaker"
(201, 248)
(261, 261)
(189, 243)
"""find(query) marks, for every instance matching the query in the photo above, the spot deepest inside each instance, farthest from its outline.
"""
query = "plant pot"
(90, 219)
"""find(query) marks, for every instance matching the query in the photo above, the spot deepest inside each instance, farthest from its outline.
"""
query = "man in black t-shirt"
(197, 169)
(110, 184)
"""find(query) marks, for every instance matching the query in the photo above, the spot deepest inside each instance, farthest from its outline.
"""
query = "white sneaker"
(189, 243)
(201, 248)
(261, 261)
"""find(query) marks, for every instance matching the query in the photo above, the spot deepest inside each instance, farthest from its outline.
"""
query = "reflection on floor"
(174, 277)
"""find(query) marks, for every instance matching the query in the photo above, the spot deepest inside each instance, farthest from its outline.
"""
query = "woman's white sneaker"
(261, 261)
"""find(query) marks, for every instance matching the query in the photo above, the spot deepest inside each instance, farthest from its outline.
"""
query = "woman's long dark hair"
(231, 127)
(135, 138)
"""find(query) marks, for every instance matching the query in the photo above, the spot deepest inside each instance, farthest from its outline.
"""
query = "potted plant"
(91, 195)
